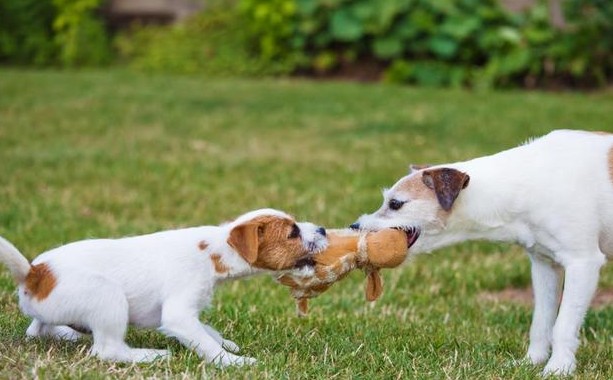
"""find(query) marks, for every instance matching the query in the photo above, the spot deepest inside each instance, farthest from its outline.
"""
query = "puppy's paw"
(146, 355)
(65, 333)
(230, 346)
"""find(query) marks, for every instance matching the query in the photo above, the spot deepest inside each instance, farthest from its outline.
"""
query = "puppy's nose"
(355, 226)
(321, 231)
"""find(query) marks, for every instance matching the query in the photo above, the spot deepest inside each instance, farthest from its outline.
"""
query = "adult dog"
(552, 195)
(158, 280)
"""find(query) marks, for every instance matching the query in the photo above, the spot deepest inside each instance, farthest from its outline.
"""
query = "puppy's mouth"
(412, 234)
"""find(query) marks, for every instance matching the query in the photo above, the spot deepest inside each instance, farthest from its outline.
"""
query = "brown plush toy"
(347, 250)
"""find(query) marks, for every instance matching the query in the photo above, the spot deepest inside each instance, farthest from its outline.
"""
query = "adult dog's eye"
(295, 232)
(395, 204)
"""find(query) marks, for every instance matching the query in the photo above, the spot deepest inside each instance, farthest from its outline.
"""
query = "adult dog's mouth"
(412, 234)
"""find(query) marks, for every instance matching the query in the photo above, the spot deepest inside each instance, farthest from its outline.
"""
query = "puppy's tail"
(14, 260)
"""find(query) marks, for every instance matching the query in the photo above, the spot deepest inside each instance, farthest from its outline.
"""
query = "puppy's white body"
(553, 196)
(158, 280)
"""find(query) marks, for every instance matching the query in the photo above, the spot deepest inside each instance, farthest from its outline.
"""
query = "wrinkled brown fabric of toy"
(348, 250)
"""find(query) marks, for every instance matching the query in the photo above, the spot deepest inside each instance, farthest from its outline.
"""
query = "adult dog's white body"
(160, 280)
(553, 196)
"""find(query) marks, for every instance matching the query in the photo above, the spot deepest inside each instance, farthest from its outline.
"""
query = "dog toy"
(348, 250)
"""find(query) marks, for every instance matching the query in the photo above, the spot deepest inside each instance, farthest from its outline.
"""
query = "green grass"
(99, 154)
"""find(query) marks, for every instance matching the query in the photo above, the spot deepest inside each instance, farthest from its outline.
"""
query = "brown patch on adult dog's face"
(446, 183)
(268, 242)
(40, 281)
(218, 264)
(203, 245)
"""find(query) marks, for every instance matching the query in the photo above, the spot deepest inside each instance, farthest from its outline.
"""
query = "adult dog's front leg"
(580, 283)
(546, 285)
(183, 324)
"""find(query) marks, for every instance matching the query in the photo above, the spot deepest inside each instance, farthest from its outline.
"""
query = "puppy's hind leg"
(92, 301)
(40, 329)
(546, 285)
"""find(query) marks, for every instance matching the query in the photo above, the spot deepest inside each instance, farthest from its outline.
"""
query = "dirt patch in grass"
(523, 296)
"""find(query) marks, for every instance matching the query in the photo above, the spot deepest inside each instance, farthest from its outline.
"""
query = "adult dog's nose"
(355, 226)
(321, 231)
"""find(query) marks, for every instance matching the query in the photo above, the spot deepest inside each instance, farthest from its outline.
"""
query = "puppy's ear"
(417, 167)
(245, 240)
(446, 183)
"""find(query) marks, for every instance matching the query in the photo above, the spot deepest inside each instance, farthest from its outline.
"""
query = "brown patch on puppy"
(40, 281)
(203, 245)
(219, 265)
(264, 242)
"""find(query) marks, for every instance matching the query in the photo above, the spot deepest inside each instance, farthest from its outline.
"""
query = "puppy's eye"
(295, 232)
(395, 204)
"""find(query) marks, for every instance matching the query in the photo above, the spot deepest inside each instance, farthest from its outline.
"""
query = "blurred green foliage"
(52, 32)
(26, 35)
(453, 43)
(439, 43)
(210, 43)
(80, 36)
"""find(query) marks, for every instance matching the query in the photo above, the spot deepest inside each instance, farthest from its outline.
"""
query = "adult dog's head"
(422, 200)
(272, 240)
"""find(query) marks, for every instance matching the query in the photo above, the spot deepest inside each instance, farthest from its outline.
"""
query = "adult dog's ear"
(446, 183)
(417, 167)
(245, 240)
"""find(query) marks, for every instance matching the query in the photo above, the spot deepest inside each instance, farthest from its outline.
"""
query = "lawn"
(113, 153)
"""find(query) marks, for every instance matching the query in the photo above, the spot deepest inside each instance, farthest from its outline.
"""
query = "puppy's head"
(273, 240)
(422, 200)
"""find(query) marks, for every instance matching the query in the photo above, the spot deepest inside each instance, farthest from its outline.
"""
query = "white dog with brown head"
(161, 280)
(553, 196)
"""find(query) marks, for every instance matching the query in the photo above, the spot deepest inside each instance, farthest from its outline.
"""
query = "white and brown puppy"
(553, 196)
(160, 280)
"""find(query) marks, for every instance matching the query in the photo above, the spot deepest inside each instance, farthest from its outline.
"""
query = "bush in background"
(26, 33)
(435, 43)
(211, 42)
(80, 36)
(52, 32)
(439, 43)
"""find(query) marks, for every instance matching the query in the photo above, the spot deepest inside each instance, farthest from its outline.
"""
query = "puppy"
(160, 280)
(553, 196)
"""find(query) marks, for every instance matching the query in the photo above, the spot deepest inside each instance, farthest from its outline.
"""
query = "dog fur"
(552, 195)
(161, 280)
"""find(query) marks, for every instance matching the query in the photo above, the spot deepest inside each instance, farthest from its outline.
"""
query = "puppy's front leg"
(181, 322)
(579, 287)
(225, 343)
